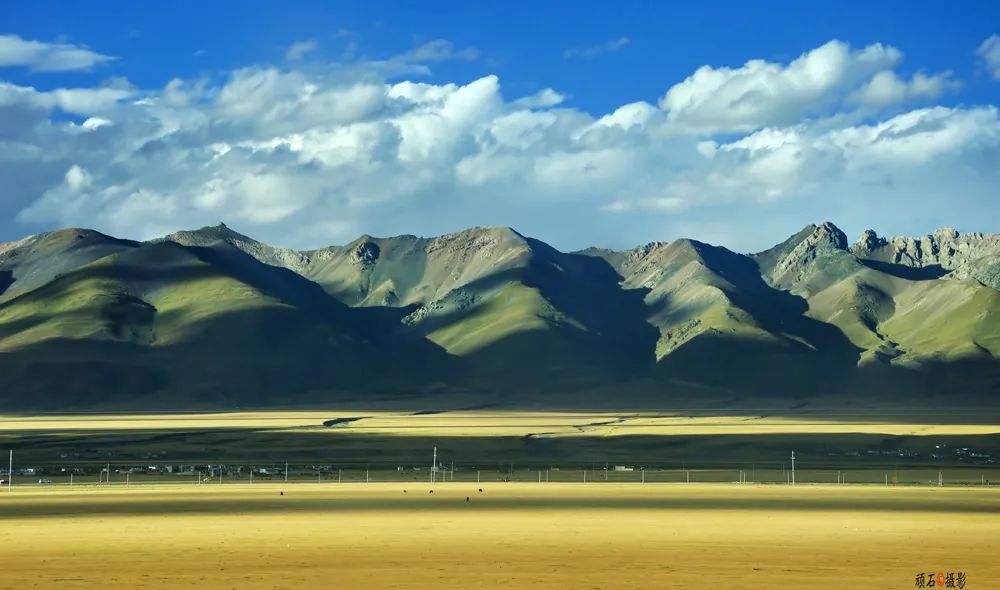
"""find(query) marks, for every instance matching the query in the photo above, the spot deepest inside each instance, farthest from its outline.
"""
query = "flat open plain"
(508, 535)
(521, 423)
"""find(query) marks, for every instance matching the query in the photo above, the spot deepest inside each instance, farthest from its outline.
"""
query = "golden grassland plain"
(509, 535)
(510, 423)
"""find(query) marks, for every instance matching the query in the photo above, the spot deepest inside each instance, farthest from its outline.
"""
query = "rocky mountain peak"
(207, 235)
(808, 260)
(867, 243)
(828, 235)
(7, 246)
(945, 234)
(968, 255)
(477, 241)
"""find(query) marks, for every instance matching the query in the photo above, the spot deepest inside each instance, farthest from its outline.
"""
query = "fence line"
(128, 474)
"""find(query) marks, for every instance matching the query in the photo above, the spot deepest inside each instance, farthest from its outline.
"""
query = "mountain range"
(214, 318)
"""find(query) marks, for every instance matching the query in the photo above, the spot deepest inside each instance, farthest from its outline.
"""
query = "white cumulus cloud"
(989, 53)
(47, 57)
(312, 156)
(300, 49)
(820, 81)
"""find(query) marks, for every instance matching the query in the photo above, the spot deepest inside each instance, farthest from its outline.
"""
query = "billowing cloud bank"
(312, 154)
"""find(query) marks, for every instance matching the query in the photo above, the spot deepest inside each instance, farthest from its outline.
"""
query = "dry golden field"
(509, 535)
(512, 423)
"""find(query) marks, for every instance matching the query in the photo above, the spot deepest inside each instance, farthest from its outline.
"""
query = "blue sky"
(542, 81)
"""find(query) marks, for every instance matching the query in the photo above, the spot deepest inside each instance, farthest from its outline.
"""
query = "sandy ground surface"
(509, 535)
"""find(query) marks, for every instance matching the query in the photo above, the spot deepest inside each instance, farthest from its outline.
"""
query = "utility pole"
(286, 470)
(434, 464)
(793, 467)
(940, 480)
(109, 473)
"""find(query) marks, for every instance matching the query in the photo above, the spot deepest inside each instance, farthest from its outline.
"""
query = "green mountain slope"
(214, 318)
(919, 325)
(202, 326)
(721, 326)
(515, 310)
(36, 260)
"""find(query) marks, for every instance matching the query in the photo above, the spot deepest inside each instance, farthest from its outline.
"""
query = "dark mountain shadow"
(778, 312)
(528, 366)
(282, 344)
(594, 296)
(6, 280)
(384, 319)
(745, 366)
(925, 273)
(64, 374)
(9, 328)
(976, 378)
(616, 342)
(806, 356)
(379, 326)
(279, 356)
(254, 357)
